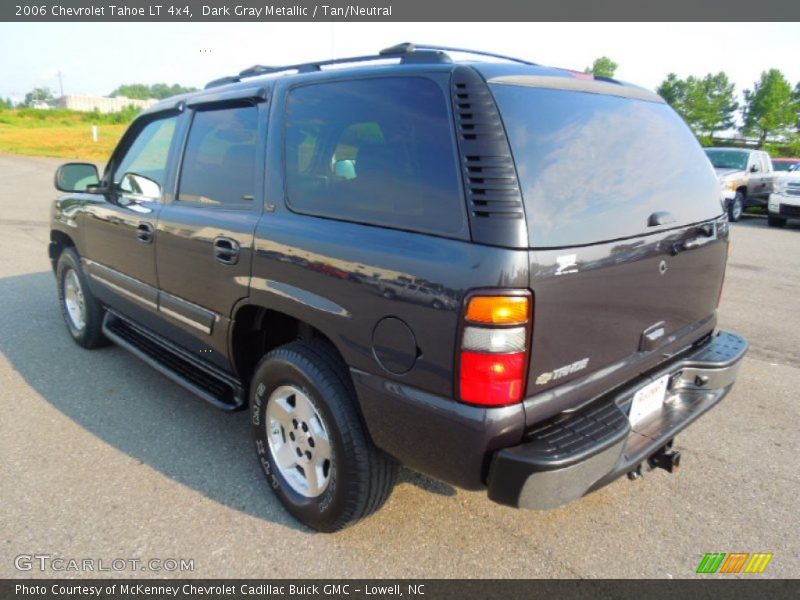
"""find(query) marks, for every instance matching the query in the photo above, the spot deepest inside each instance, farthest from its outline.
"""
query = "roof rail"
(410, 47)
(406, 52)
(431, 57)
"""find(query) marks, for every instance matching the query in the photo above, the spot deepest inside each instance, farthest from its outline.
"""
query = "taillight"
(498, 310)
(494, 349)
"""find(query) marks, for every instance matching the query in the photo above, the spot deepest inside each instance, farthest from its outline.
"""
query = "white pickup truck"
(784, 201)
(746, 177)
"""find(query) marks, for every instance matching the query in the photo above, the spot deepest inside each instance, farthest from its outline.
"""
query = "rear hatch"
(627, 244)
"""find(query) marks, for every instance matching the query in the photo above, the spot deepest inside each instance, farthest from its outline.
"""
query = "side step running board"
(202, 379)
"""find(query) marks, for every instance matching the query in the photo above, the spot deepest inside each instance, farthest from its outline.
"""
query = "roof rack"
(409, 47)
(407, 52)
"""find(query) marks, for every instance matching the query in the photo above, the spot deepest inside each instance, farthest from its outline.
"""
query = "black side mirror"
(754, 169)
(76, 177)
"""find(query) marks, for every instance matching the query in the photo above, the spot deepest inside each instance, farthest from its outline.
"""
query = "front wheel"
(310, 441)
(82, 312)
(736, 207)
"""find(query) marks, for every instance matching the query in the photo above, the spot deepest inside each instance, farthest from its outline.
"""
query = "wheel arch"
(256, 329)
(58, 242)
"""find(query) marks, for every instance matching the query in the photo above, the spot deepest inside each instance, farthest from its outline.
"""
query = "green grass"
(61, 133)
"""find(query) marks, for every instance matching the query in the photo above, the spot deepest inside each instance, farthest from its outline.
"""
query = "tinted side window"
(219, 163)
(377, 151)
(147, 155)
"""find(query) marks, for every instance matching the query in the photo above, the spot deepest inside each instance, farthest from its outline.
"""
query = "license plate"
(648, 400)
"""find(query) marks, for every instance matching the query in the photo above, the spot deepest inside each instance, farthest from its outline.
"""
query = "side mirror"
(754, 169)
(139, 185)
(76, 177)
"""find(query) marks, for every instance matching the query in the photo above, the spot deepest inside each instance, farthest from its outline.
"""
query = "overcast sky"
(95, 58)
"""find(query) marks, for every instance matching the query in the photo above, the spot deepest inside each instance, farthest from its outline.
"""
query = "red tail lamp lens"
(492, 379)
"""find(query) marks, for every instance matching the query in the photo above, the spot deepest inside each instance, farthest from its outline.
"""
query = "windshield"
(595, 167)
(784, 165)
(728, 159)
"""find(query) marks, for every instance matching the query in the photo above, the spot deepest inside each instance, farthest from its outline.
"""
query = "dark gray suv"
(502, 275)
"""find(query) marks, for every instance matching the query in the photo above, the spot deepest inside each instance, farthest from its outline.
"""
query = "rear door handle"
(708, 234)
(144, 233)
(226, 250)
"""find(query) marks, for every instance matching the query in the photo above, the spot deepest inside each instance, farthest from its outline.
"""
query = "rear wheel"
(775, 221)
(736, 207)
(310, 441)
(82, 312)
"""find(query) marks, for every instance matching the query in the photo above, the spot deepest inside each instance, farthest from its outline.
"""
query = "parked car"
(413, 292)
(568, 226)
(783, 165)
(784, 202)
(746, 177)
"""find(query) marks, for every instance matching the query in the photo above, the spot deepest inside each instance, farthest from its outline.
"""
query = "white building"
(102, 104)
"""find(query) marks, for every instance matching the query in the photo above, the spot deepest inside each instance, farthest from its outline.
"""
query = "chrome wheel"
(74, 300)
(298, 441)
(737, 209)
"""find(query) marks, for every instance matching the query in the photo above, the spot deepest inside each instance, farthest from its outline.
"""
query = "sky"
(95, 58)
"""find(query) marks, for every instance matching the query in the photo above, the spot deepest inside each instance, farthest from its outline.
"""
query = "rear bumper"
(583, 451)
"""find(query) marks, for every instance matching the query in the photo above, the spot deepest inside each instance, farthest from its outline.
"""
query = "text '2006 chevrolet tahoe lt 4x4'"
(500, 275)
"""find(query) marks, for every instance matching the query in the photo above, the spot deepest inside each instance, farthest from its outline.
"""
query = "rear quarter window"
(376, 151)
(594, 167)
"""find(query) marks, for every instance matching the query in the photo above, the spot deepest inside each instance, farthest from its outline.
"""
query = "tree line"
(770, 111)
(134, 91)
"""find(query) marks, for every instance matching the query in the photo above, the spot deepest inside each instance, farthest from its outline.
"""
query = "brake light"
(492, 379)
(494, 350)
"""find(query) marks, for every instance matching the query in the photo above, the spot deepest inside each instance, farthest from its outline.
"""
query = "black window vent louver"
(490, 179)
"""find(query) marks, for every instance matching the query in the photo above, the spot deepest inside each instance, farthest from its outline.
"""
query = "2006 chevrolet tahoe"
(501, 275)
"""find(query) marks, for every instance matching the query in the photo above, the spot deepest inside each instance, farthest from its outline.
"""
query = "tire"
(775, 221)
(736, 207)
(310, 441)
(82, 312)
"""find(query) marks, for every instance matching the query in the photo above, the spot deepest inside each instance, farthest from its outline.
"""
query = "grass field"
(61, 133)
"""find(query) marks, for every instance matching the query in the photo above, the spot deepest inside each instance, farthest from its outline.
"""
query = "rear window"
(594, 167)
(376, 151)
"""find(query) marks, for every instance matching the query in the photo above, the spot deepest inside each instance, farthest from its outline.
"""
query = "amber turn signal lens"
(499, 310)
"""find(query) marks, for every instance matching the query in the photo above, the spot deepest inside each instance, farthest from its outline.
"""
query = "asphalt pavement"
(102, 458)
